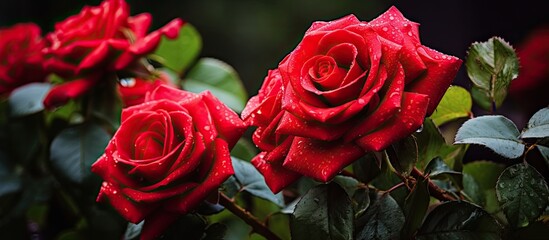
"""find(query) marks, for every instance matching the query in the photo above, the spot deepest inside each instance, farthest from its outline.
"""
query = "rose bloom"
(530, 88)
(20, 56)
(169, 154)
(99, 39)
(132, 91)
(348, 87)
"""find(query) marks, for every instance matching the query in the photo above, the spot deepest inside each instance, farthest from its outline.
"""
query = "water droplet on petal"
(127, 82)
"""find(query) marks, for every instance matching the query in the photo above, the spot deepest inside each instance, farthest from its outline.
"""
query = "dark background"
(254, 35)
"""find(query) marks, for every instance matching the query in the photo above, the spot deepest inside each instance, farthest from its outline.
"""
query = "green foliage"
(415, 208)
(324, 212)
(483, 175)
(384, 219)
(491, 66)
(75, 149)
(538, 125)
(404, 155)
(495, 132)
(522, 193)
(459, 220)
(28, 99)
(178, 54)
(250, 180)
(220, 79)
(456, 103)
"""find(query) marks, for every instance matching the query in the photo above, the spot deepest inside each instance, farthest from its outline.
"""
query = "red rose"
(348, 87)
(133, 90)
(169, 154)
(530, 87)
(99, 39)
(21, 56)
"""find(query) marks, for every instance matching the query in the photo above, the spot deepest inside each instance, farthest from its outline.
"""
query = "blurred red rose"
(348, 87)
(530, 88)
(99, 39)
(169, 154)
(20, 56)
(133, 90)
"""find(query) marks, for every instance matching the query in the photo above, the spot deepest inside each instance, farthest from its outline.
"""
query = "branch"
(434, 190)
(250, 219)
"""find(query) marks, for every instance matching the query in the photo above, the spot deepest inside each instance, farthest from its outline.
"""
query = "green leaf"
(534, 231)
(219, 78)
(244, 150)
(438, 167)
(538, 125)
(349, 184)
(384, 219)
(367, 168)
(178, 54)
(361, 201)
(491, 66)
(404, 155)
(545, 153)
(430, 143)
(484, 176)
(415, 208)
(324, 212)
(459, 220)
(253, 182)
(455, 104)
(495, 132)
(522, 193)
(75, 149)
(215, 231)
(133, 230)
(28, 99)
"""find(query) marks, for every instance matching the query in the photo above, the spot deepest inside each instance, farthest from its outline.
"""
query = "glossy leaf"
(495, 132)
(361, 201)
(253, 182)
(491, 66)
(133, 230)
(384, 219)
(538, 125)
(324, 212)
(522, 193)
(456, 103)
(349, 184)
(244, 150)
(415, 208)
(220, 79)
(430, 143)
(483, 175)
(404, 155)
(28, 99)
(545, 153)
(438, 167)
(459, 220)
(215, 231)
(367, 168)
(178, 54)
(75, 149)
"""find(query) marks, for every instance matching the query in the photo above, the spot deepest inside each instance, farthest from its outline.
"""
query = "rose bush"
(347, 88)
(169, 154)
(99, 39)
(21, 53)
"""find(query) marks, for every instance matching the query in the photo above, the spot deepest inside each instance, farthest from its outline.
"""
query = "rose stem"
(434, 190)
(250, 219)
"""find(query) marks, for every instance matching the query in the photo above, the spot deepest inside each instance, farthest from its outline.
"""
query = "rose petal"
(404, 123)
(228, 124)
(292, 125)
(219, 169)
(320, 160)
(276, 176)
(130, 210)
(156, 223)
(64, 92)
(441, 70)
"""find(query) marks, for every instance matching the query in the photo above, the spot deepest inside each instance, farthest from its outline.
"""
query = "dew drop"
(420, 129)
(127, 82)
(410, 34)
(501, 185)
(391, 18)
(385, 29)
(114, 192)
(207, 128)
(361, 101)
(104, 184)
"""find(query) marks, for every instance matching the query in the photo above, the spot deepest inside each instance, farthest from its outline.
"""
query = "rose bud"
(348, 87)
(169, 154)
